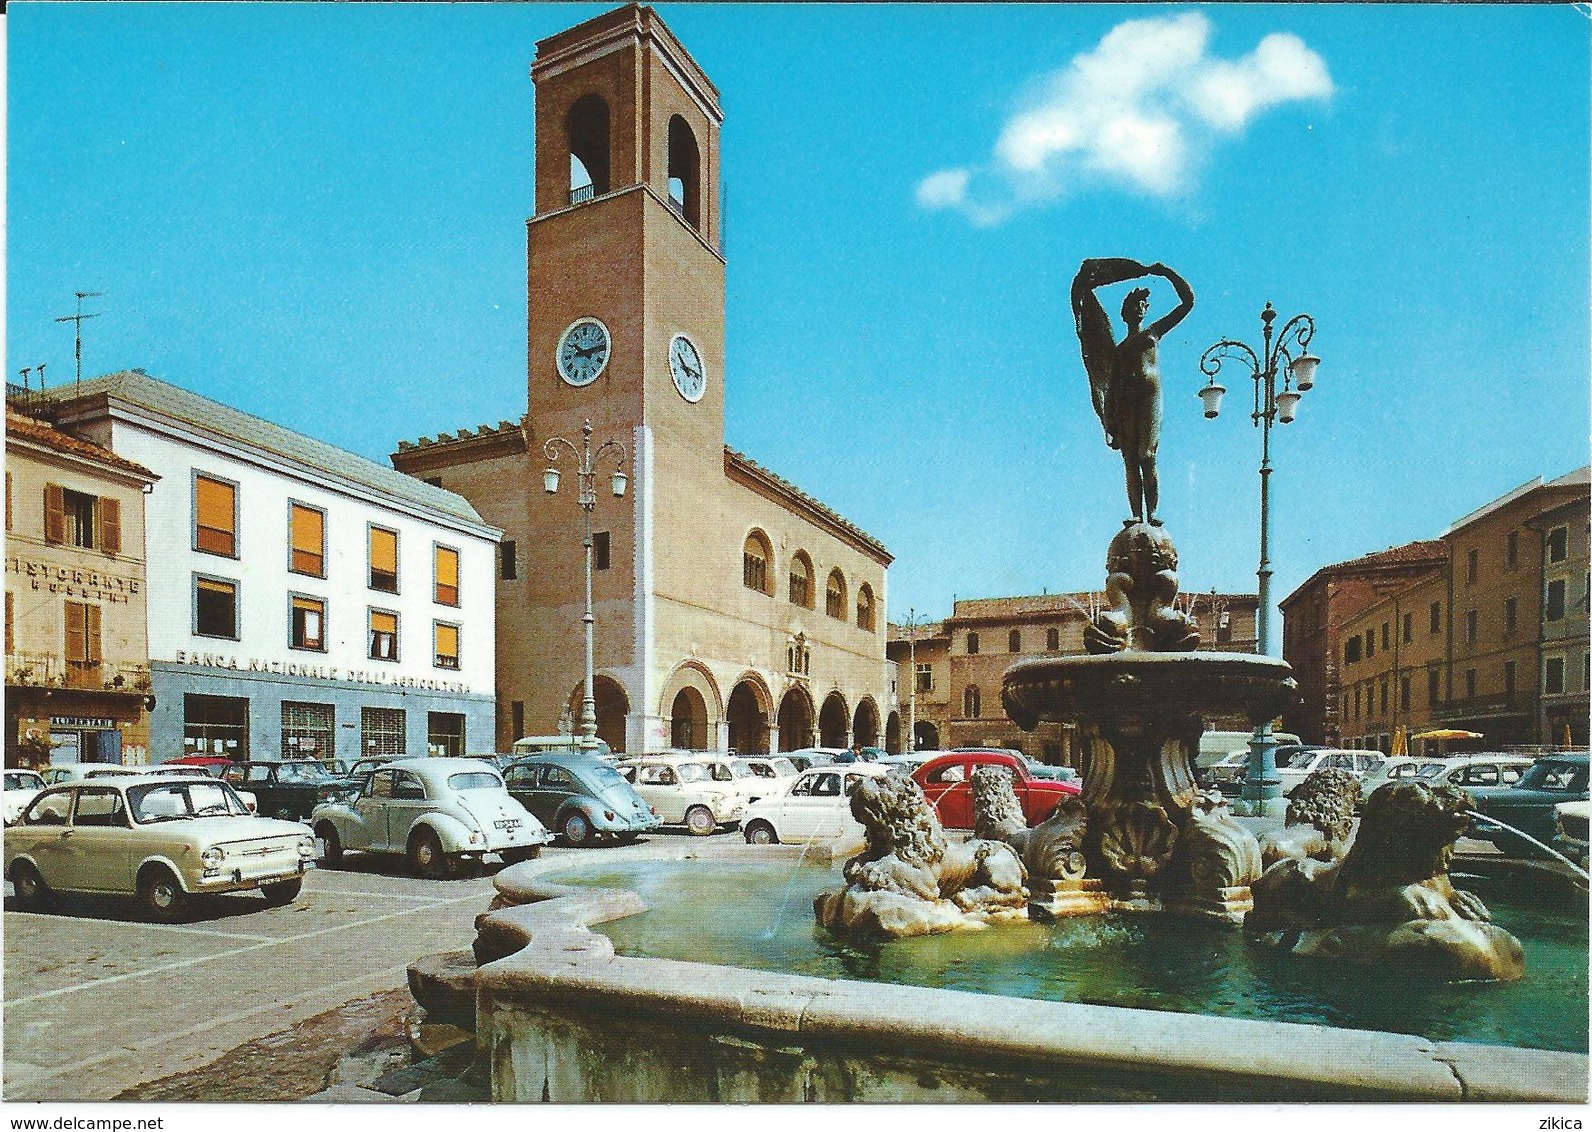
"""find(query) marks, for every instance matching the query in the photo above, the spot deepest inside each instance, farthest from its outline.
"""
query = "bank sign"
(318, 672)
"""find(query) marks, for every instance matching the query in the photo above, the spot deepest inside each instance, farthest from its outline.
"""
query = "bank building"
(732, 610)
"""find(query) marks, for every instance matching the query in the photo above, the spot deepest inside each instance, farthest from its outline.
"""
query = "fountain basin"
(564, 1018)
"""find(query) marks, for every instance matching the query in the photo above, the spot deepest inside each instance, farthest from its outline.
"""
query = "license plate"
(507, 823)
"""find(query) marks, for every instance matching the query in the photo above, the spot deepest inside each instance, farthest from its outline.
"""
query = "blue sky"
(290, 207)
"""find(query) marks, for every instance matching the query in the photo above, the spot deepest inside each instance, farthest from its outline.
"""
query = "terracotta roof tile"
(26, 428)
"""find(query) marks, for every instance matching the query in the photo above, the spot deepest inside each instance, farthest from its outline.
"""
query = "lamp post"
(912, 624)
(1287, 353)
(586, 479)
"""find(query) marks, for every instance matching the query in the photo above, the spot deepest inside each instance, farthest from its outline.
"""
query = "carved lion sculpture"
(1319, 821)
(910, 879)
(1053, 849)
(1390, 900)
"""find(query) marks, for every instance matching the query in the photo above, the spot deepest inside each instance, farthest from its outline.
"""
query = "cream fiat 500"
(163, 840)
(441, 813)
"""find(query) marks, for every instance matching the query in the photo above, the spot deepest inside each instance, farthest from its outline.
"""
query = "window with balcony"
(383, 635)
(308, 629)
(215, 607)
(215, 507)
(445, 636)
(383, 560)
(82, 643)
(308, 531)
(445, 571)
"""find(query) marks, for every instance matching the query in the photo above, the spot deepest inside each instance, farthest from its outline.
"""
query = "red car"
(946, 782)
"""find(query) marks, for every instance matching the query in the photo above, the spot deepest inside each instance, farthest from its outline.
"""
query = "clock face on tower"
(685, 366)
(583, 351)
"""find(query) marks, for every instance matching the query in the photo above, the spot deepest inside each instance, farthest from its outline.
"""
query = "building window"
(82, 636)
(1014, 641)
(1052, 640)
(1384, 637)
(215, 607)
(517, 718)
(77, 512)
(1470, 626)
(72, 518)
(1351, 650)
(972, 644)
(1472, 563)
(309, 731)
(1404, 693)
(383, 635)
(1224, 627)
(1511, 614)
(446, 638)
(798, 658)
(1470, 683)
(601, 556)
(1434, 686)
(1437, 617)
(1509, 683)
(971, 708)
(1370, 643)
(835, 596)
(865, 619)
(308, 615)
(1382, 699)
(1558, 544)
(1511, 550)
(308, 529)
(508, 560)
(1555, 604)
(1409, 627)
(383, 560)
(925, 678)
(215, 508)
(215, 725)
(1356, 702)
(381, 731)
(1553, 676)
(801, 581)
(11, 642)
(755, 564)
(445, 734)
(446, 573)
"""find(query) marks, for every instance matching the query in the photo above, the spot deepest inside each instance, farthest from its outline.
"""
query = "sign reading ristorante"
(317, 671)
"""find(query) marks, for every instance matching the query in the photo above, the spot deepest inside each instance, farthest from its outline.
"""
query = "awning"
(1447, 733)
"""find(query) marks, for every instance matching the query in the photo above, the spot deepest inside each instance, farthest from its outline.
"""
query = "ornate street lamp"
(586, 497)
(911, 624)
(1289, 354)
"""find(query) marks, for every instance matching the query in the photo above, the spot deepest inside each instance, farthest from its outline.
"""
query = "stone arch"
(613, 709)
(748, 715)
(835, 595)
(688, 720)
(865, 608)
(802, 586)
(833, 721)
(685, 172)
(795, 720)
(926, 736)
(865, 723)
(757, 563)
(692, 674)
(589, 155)
(892, 733)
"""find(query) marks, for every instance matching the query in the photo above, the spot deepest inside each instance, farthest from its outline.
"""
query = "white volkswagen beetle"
(441, 813)
(161, 839)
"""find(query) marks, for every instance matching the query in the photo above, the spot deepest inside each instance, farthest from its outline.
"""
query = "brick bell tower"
(625, 326)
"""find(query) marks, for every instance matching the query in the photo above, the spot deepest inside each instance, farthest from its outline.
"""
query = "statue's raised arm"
(1095, 338)
(1185, 295)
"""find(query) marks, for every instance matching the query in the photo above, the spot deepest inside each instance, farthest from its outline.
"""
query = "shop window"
(508, 560)
(865, 619)
(308, 731)
(308, 532)
(383, 635)
(971, 708)
(1558, 544)
(215, 516)
(445, 734)
(835, 596)
(601, 552)
(446, 647)
(308, 623)
(381, 731)
(445, 564)
(383, 560)
(215, 607)
(1554, 610)
(215, 725)
(801, 580)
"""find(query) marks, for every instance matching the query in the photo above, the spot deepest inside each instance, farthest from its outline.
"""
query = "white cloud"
(1140, 111)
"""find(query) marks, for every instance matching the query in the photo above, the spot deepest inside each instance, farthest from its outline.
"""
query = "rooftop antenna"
(78, 319)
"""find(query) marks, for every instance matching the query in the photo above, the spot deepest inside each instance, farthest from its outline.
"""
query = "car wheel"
(327, 832)
(282, 891)
(761, 833)
(577, 828)
(515, 856)
(699, 821)
(426, 857)
(31, 891)
(161, 896)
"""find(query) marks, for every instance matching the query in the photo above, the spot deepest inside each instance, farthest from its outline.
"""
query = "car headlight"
(306, 845)
(212, 857)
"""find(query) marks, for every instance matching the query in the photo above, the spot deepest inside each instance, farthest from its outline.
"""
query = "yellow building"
(732, 609)
(77, 647)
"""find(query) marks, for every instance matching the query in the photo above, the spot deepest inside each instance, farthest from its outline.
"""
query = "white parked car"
(817, 805)
(770, 766)
(163, 840)
(440, 813)
(686, 790)
(1475, 770)
(20, 788)
(1294, 766)
(80, 772)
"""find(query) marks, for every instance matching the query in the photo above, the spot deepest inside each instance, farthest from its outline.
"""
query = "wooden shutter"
(76, 626)
(10, 611)
(110, 524)
(54, 513)
(8, 501)
(92, 634)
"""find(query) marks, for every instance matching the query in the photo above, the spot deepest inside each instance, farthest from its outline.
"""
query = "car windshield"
(694, 772)
(302, 772)
(1430, 770)
(740, 768)
(23, 780)
(784, 768)
(474, 780)
(1296, 757)
(1567, 778)
(167, 801)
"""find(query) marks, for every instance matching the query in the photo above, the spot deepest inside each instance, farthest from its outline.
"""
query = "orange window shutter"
(447, 576)
(92, 634)
(215, 504)
(309, 540)
(54, 513)
(76, 624)
(448, 641)
(383, 550)
(384, 622)
(110, 524)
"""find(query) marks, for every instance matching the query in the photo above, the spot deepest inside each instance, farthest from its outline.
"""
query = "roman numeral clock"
(583, 352)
